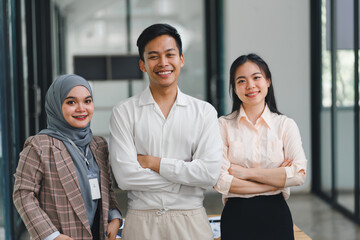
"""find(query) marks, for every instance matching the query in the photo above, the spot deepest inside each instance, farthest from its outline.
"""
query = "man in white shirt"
(165, 147)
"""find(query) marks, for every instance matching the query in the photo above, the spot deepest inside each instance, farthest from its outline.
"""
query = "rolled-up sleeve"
(224, 182)
(295, 174)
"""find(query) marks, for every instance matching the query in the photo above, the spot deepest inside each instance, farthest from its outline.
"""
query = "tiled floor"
(312, 215)
(318, 220)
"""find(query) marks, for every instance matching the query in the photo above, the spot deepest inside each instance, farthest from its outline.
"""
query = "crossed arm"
(151, 162)
(257, 180)
(275, 177)
(245, 181)
(152, 173)
(240, 180)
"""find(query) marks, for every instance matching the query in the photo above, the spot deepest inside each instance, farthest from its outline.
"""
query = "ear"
(268, 80)
(142, 65)
(234, 89)
(182, 59)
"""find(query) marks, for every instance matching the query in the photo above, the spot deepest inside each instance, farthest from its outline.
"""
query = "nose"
(163, 61)
(80, 107)
(250, 84)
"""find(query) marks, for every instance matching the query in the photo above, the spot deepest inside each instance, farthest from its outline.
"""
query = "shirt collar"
(146, 98)
(265, 116)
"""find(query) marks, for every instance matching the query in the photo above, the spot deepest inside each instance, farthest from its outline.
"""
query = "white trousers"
(169, 225)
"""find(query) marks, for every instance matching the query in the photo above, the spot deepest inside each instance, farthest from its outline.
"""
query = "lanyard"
(93, 180)
(81, 154)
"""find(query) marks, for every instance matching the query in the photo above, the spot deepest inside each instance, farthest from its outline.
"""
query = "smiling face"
(251, 86)
(162, 62)
(78, 107)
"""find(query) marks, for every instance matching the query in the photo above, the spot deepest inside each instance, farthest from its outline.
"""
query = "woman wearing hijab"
(63, 186)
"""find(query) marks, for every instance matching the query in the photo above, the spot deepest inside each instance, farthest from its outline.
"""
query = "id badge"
(95, 189)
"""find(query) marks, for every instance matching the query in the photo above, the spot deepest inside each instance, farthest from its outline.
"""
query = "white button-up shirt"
(188, 142)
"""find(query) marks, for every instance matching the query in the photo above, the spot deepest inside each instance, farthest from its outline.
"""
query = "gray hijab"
(57, 126)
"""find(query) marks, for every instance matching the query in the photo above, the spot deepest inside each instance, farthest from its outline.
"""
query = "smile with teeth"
(80, 117)
(164, 72)
(252, 94)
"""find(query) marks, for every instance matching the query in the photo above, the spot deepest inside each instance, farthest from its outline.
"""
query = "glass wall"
(345, 127)
(109, 28)
(7, 116)
(325, 116)
(25, 74)
(337, 150)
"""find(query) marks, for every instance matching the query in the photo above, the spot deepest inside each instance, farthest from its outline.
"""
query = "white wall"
(279, 32)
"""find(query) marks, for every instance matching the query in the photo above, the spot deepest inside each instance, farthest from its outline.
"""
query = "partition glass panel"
(338, 136)
(345, 159)
(97, 28)
(325, 115)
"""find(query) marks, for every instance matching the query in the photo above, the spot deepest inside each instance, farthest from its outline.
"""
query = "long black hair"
(270, 97)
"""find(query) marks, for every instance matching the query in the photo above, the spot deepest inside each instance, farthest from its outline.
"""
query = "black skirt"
(257, 218)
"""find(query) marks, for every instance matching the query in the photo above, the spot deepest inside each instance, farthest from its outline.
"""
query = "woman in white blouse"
(262, 157)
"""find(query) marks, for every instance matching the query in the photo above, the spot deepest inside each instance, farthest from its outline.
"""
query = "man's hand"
(113, 228)
(147, 161)
(63, 237)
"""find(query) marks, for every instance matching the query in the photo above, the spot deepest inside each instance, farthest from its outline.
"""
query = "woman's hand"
(275, 177)
(113, 228)
(63, 237)
(287, 163)
(238, 171)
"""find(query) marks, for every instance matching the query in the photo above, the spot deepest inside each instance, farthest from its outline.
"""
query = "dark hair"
(270, 97)
(154, 31)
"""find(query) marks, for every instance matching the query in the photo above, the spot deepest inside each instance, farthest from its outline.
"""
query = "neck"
(165, 98)
(254, 112)
(164, 94)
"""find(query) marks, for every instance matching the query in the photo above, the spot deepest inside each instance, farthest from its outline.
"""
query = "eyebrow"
(156, 52)
(71, 97)
(255, 73)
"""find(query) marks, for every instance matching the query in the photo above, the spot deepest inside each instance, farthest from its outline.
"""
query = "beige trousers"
(169, 225)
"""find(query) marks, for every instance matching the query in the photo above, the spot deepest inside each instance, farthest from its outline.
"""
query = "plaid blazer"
(47, 191)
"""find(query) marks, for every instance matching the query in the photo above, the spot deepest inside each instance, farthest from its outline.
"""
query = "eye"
(257, 77)
(240, 81)
(153, 57)
(70, 102)
(170, 54)
(87, 101)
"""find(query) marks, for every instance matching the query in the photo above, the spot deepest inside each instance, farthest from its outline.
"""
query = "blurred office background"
(311, 46)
